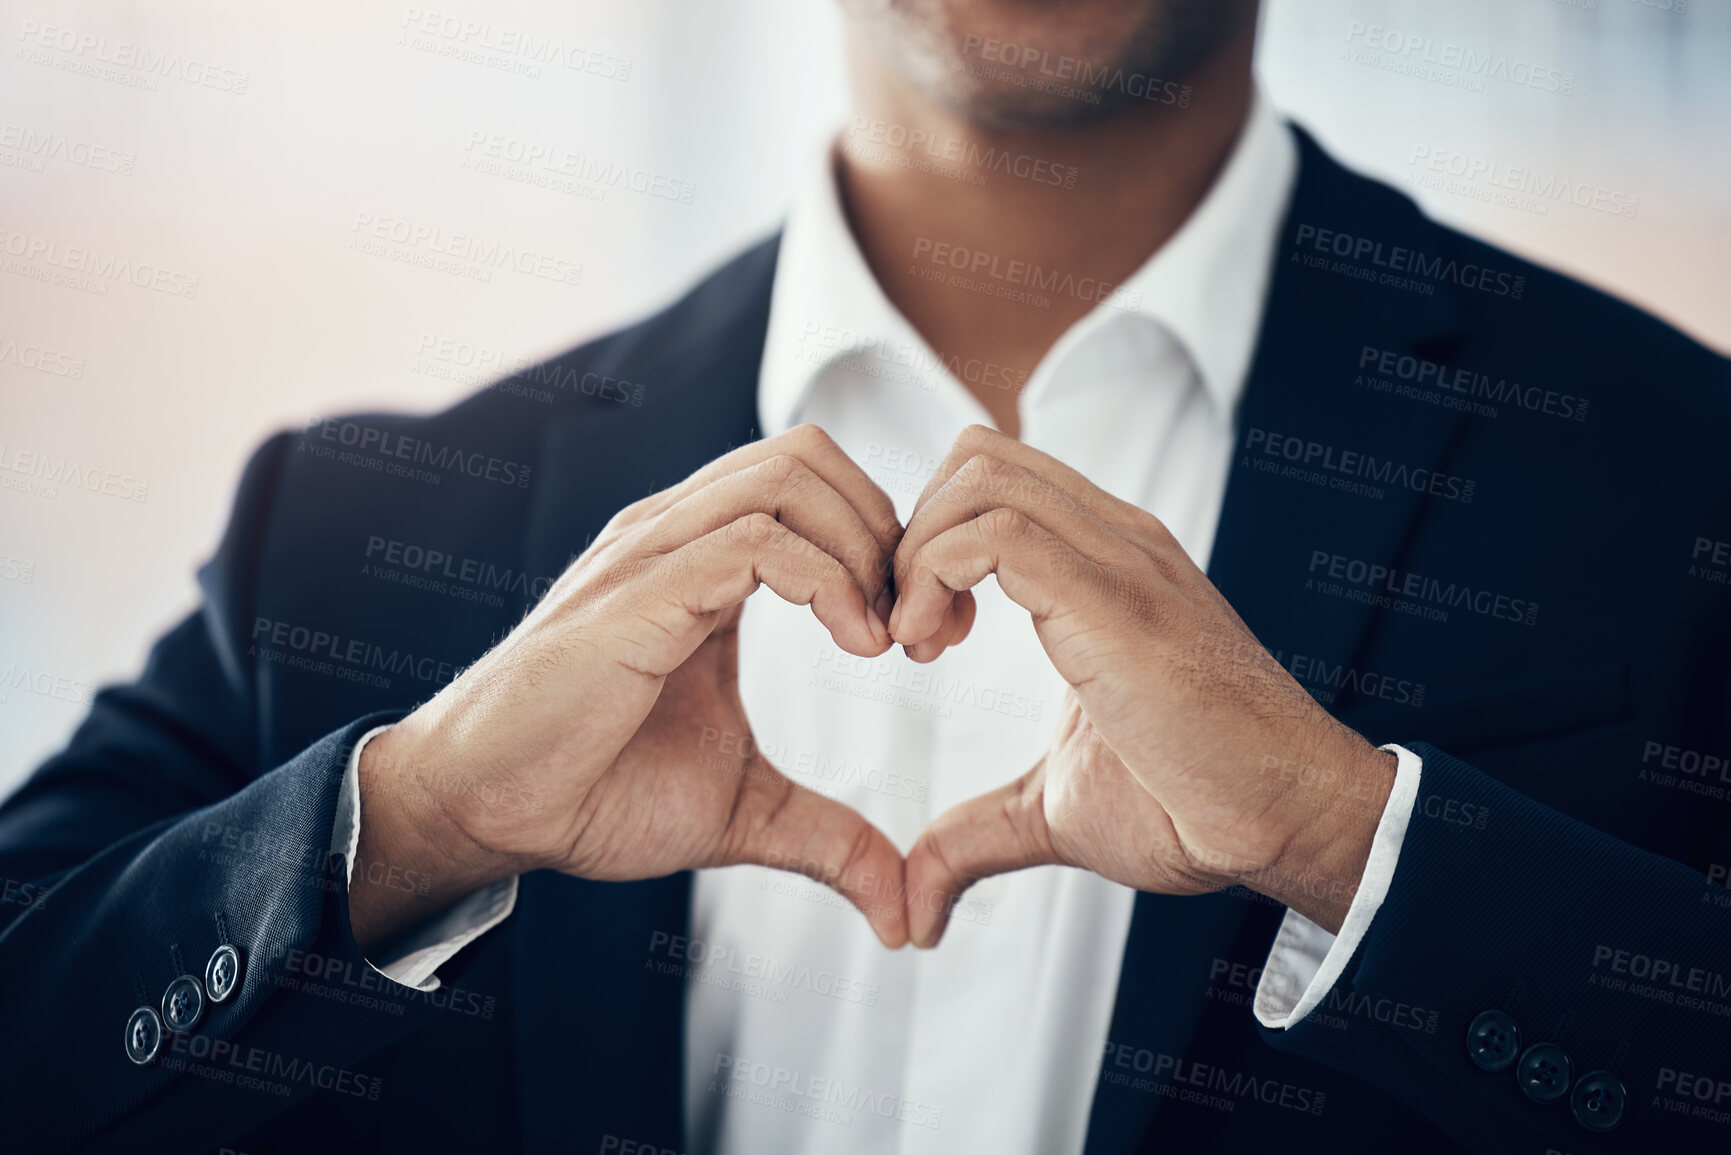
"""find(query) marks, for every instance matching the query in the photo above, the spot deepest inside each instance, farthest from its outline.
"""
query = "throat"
(992, 268)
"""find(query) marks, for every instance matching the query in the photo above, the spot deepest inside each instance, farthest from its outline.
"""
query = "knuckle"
(1005, 524)
(852, 557)
(1158, 535)
(630, 514)
(977, 435)
(809, 437)
(984, 468)
(900, 565)
(781, 470)
(985, 476)
(858, 852)
(1134, 595)
(754, 529)
(882, 515)
(872, 560)
(937, 844)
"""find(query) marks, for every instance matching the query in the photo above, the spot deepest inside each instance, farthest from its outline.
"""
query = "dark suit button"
(222, 973)
(143, 1035)
(182, 1005)
(1493, 1041)
(1599, 1100)
(1543, 1073)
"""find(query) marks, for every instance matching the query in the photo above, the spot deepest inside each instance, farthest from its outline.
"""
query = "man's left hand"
(1186, 759)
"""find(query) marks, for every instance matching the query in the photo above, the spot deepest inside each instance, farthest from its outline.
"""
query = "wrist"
(411, 859)
(1332, 809)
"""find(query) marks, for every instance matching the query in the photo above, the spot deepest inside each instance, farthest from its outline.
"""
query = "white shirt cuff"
(1306, 961)
(414, 958)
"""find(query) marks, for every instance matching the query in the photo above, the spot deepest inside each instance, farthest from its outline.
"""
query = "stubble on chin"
(940, 48)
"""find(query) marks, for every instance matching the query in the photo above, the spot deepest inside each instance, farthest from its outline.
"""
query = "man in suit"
(1308, 729)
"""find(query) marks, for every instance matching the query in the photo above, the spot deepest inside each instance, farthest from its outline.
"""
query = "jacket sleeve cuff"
(413, 959)
(1306, 961)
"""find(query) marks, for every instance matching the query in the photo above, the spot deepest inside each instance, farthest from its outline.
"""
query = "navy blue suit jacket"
(1557, 648)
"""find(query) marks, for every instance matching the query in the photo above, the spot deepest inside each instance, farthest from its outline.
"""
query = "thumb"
(993, 833)
(781, 824)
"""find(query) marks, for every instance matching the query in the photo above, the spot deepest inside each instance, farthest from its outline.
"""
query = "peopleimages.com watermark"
(1351, 471)
(357, 983)
(920, 688)
(618, 1145)
(1031, 67)
(1011, 279)
(504, 47)
(390, 452)
(1323, 679)
(1456, 387)
(1696, 772)
(1699, 1096)
(1201, 1084)
(17, 892)
(1447, 62)
(442, 572)
(354, 659)
(123, 62)
(820, 1097)
(897, 470)
(813, 881)
(17, 569)
(764, 976)
(1397, 266)
(957, 158)
(42, 475)
(258, 1069)
(17, 679)
(22, 146)
(1519, 187)
(559, 169)
(41, 359)
(517, 374)
(1710, 561)
(86, 269)
(831, 775)
(1661, 980)
(440, 250)
(1236, 984)
(898, 360)
(1392, 588)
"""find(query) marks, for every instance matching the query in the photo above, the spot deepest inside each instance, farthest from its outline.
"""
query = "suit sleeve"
(152, 839)
(1508, 925)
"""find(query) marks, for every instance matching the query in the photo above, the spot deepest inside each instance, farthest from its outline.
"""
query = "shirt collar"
(1206, 285)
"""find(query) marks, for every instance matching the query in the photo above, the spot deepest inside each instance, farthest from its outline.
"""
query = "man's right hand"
(604, 737)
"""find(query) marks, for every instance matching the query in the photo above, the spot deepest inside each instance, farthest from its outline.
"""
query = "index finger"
(978, 439)
(818, 452)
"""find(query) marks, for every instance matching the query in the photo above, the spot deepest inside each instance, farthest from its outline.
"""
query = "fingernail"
(877, 627)
(886, 603)
(895, 616)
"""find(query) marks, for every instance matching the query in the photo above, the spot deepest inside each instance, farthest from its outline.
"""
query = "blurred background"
(233, 182)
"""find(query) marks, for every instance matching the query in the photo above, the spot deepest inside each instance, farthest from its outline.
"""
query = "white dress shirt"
(802, 1033)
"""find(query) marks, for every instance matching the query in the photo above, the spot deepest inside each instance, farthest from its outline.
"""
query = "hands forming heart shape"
(1185, 758)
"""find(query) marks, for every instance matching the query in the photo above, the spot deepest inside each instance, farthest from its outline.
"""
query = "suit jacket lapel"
(645, 408)
(1302, 383)
(1308, 380)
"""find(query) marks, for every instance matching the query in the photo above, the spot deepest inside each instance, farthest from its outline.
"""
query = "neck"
(1090, 202)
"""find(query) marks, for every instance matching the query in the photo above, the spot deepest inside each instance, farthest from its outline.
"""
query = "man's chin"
(1031, 64)
(1053, 104)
